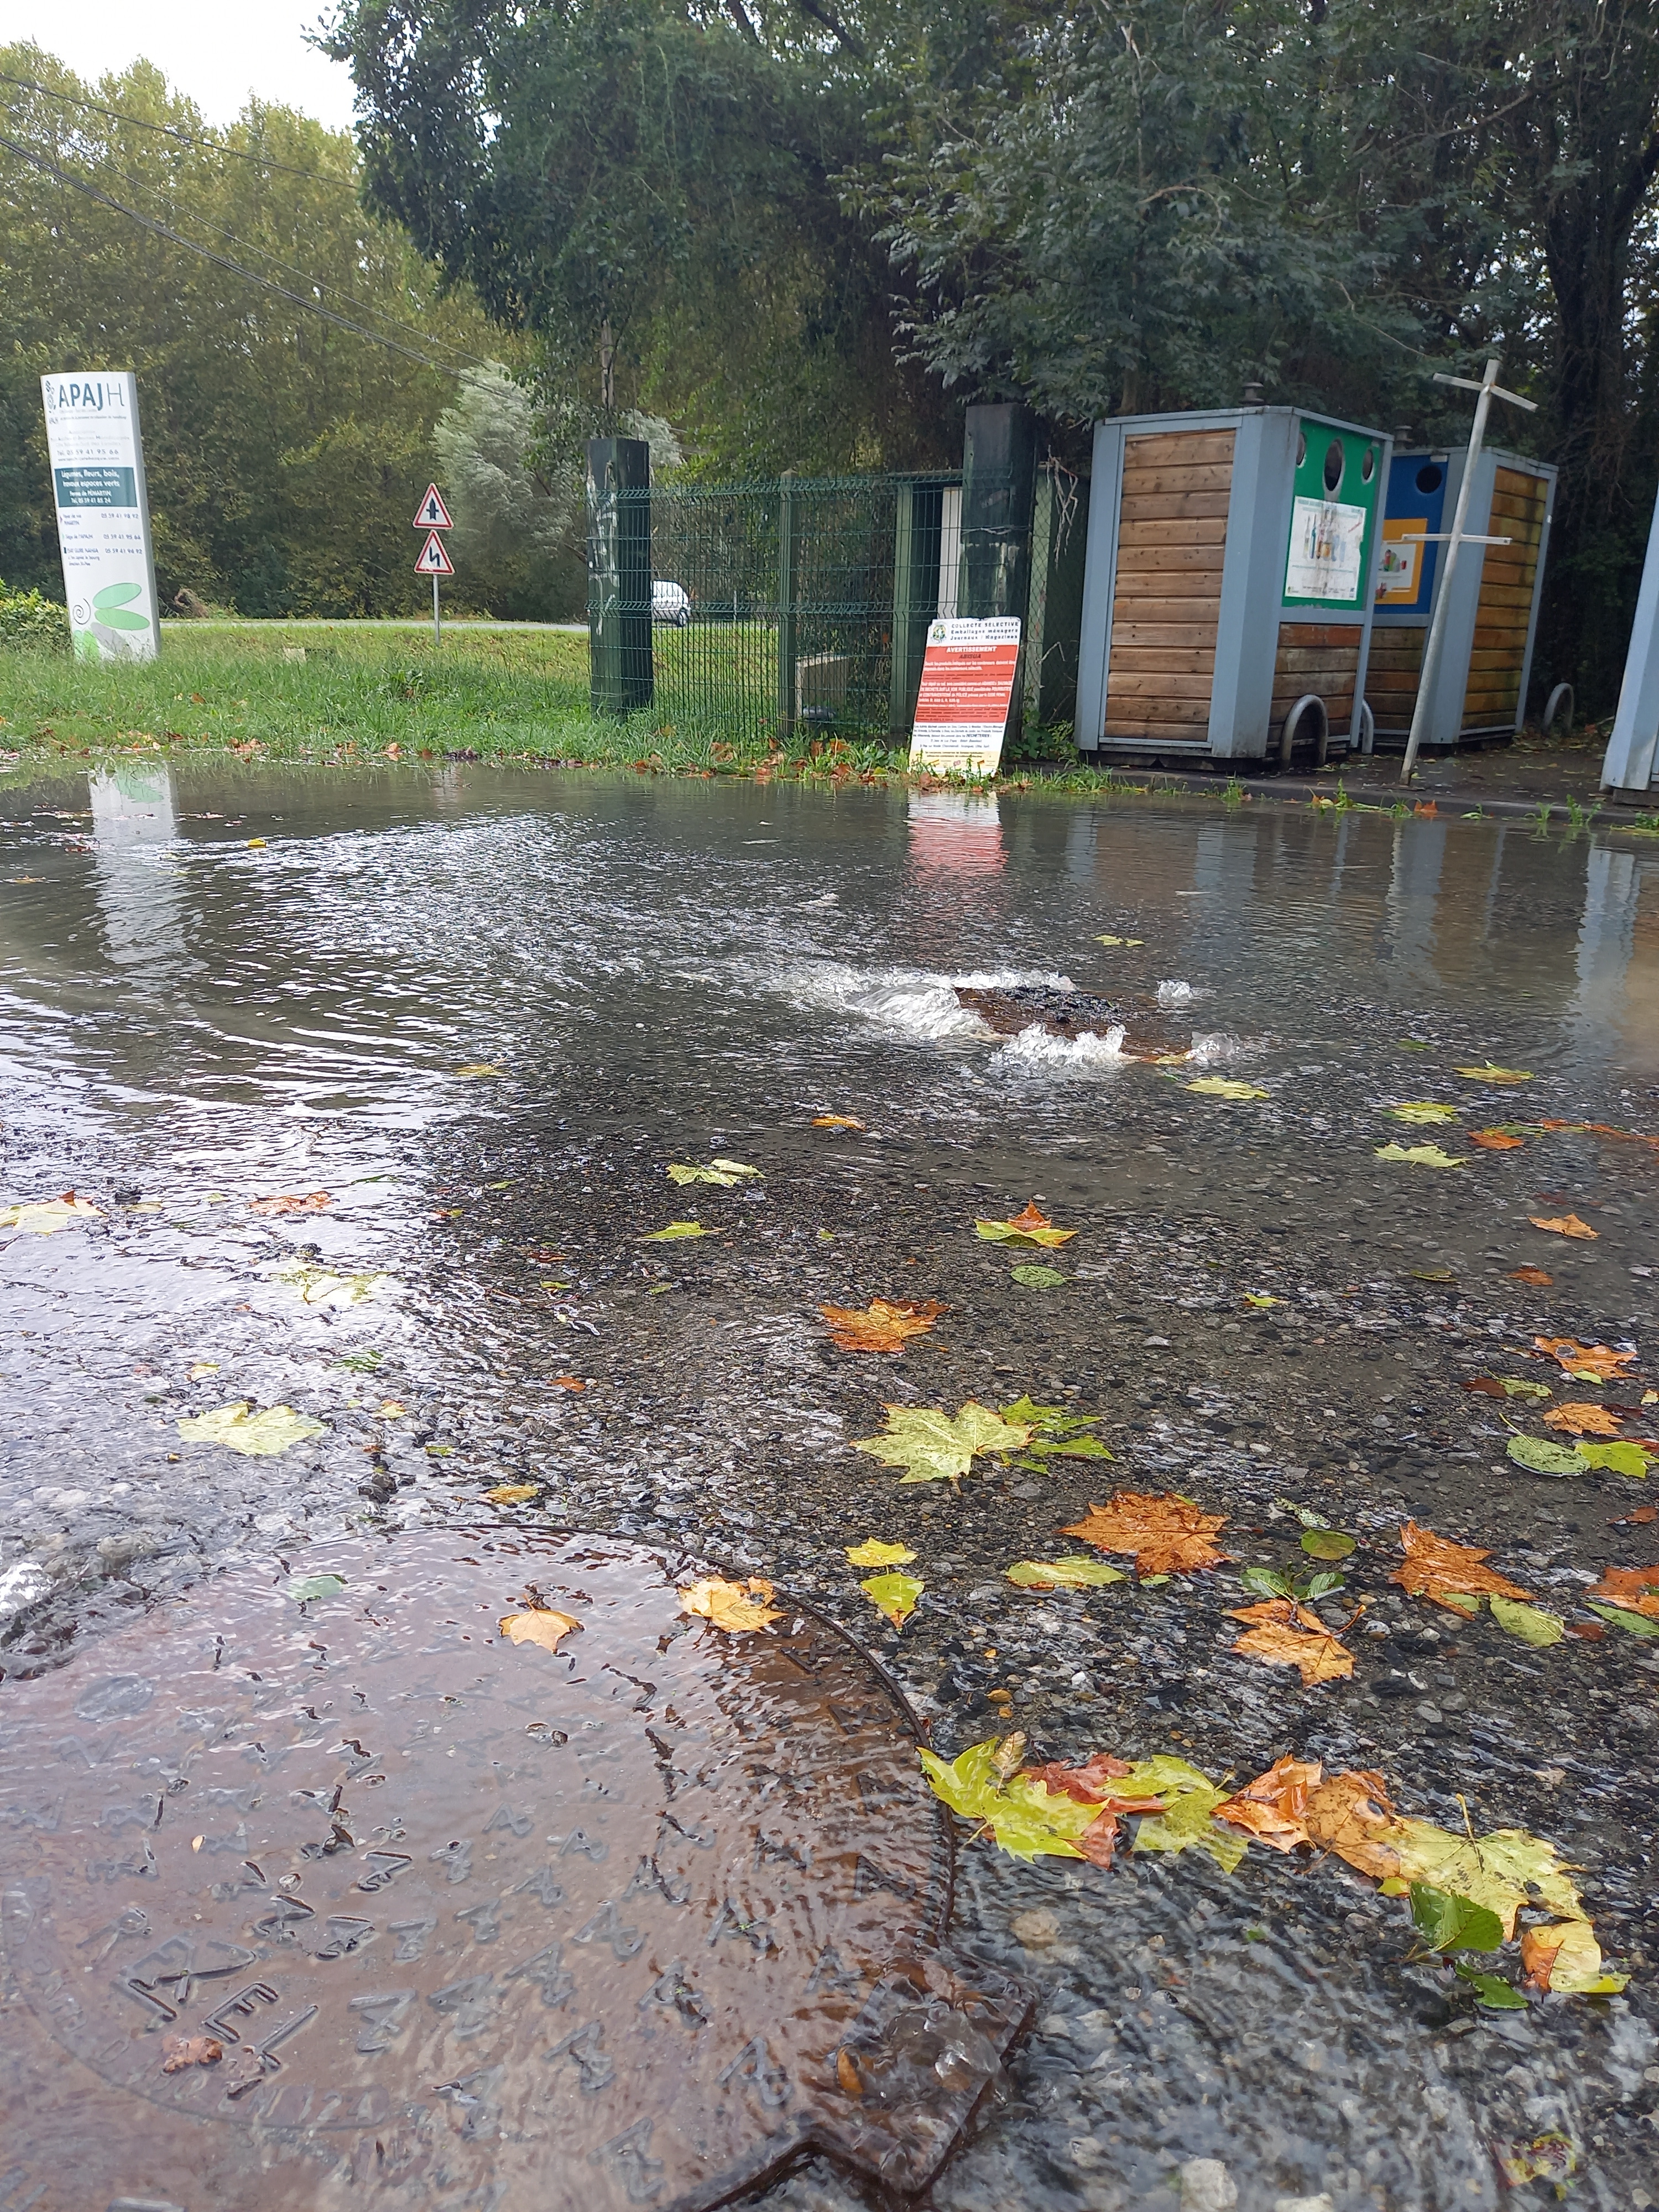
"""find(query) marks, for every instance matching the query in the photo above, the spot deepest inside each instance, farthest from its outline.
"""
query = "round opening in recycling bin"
(1368, 466)
(1430, 476)
(1333, 459)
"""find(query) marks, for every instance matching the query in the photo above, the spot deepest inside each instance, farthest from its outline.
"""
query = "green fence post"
(619, 574)
(901, 690)
(789, 604)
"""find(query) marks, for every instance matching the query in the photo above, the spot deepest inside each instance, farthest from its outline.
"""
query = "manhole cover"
(470, 1923)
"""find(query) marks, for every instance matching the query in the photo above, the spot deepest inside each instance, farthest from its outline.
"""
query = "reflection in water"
(140, 891)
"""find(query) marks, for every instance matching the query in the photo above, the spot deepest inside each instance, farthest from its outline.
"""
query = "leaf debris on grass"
(885, 1325)
(1165, 1534)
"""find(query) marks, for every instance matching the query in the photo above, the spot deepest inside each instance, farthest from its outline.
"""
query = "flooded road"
(484, 1013)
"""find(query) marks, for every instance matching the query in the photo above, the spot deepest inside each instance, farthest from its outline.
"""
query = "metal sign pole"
(437, 633)
(1489, 389)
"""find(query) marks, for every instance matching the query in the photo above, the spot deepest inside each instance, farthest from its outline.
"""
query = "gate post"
(998, 483)
(788, 603)
(619, 574)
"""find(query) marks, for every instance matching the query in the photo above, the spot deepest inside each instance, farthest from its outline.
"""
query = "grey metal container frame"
(1633, 755)
(1252, 577)
(1445, 727)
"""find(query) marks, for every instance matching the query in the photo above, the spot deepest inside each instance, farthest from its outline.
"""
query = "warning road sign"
(432, 514)
(432, 560)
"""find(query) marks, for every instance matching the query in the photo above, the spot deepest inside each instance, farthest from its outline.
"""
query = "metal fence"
(800, 602)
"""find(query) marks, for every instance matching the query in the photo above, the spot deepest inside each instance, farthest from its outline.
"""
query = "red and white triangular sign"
(432, 561)
(432, 514)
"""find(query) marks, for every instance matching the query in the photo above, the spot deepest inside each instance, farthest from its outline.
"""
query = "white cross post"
(1489, 389)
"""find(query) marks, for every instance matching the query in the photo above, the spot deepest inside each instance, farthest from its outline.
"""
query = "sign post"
(968, 676)
(431, 516)
(103, 514)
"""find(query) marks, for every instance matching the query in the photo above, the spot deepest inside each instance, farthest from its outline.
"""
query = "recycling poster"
(968, 674)
(103, 513)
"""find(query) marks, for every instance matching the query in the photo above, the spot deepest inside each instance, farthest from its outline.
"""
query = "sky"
(214, 58)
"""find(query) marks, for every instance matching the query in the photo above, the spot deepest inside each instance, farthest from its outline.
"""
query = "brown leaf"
(1635, 1588)
(546, 1627)
(1164, 1534)
(314, 1201)
(1488, 1385)
(1434, 1564)
(1275, 1807)
(1088, 1784)
(1581, 1419)
(1596, 1362)
(1638, 1518)
(1494, 1140)
(1530, 1275)
(735, 1607)
(179, 2052)
(1538, 1949)
(1427, 808)
(1563, 1224)
(846, 2074)
(835, 1121)
(1286, 1635)
(1350, 1815)
(883, 1325)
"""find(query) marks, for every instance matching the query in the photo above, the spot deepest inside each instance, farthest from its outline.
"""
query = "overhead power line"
(220, 261)
(166, 130)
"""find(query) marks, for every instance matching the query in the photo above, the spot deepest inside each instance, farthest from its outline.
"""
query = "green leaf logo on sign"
(110, 607)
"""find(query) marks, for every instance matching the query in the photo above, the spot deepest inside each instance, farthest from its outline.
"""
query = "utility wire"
(220, 260)
(166, 130)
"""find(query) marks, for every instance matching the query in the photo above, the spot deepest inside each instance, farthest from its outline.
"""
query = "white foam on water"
(1175, 994)
(1037, 1046)
(911, 1000)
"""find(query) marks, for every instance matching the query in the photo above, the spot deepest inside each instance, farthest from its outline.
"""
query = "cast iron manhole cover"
(471, 1922)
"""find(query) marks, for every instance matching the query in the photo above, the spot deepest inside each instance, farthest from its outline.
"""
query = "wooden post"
(619, 574)
(788, 601)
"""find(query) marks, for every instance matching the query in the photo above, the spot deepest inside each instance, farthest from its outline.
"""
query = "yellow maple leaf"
(1563, 1224)
(510, 1494)
(735, 1607)
(883, 1325)
(873, 1552)
(893, 1594)
(544, 1627)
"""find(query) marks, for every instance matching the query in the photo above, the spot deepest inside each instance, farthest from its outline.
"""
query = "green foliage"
(32, 623)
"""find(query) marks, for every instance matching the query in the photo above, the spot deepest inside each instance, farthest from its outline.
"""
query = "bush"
(32, 623)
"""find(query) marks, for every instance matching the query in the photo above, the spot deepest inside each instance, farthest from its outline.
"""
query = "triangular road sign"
(432, 560)
(432, 514)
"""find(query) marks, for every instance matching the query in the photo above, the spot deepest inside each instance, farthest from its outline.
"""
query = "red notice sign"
(967, 685)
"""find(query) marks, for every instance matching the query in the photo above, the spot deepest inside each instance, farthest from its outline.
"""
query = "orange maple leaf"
(1165, 1536)
(1635, 1589)
(1597, 1363)
(1287, 1634)
(1563, 1224)
(1530, 1275)
(1275, 1807)
(314, 1201)
(1350, 1815)
(1582, 1420)
(1427, 808)
(1538, 1949)
(1434, 1564)
(1494, 1140)
(883, 1325)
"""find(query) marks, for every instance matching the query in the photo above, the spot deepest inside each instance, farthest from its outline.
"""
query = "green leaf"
(1618, 1458)
(933, 1446)
(894, 1593)
(116, 595)
(361, 1363)
(1069, 1573)
(1540, 1457)
(1186, 1823)
(260, 1435)
(1038, 1279)
(1529, 1622)
(1327, 1544)
(1070, 1447)
(1048, 1420)
(724, 1173)
(1449, 1923)
(1634, 1624)
(1265, 1582)
(675, 1230)
(1420, 1156)
(1027, 1819)
(1492, 1990)
(1463, 1601)
(1422, 1111)
(307, 1587)
(1225, 1086)
(1319, 1585)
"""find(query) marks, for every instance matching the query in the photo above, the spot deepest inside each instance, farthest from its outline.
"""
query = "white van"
(670, 602)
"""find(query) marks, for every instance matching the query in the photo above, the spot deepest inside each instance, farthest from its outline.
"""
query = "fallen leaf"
(512, 1493)
(1285, 1634)
(1639, 1518)
(1187, 1820)
(935, 1446)
(1327, 1543)
(1071, 1573)
(260, 1435)
(479, 1067)
(544, 1627)
(1563, 1224)
(314, 1201)
(1494, 1140)
(835, 1121)
(1026, 1819)
(1636, 1588)
(1350, 1814)
(1531, 1623)
(1587, 1363)
(1530, 1275)
(1033, 1278)
(674, 1232)
(1626, 1457)
(305, 1588)
(1260, 1299)
(1226, 1087)
(1427, 807)
(1490, 1990)
(1273, 1808)
(47, 1215)
(1164, 1533)
(873, 1552)
(1634, 1624)
(883, 1325)
(1120, 940)
(321, 1286)
(894, 1593)
(202, 1369)
(569, 1383)
(1434, 1566)
(1421, 1156)
(1539, 1455)
(1581, 1420)
(1491, 1074)
(1507, 1386)
(179, 2052)
(1449, 1923)
(1552, 2156)
(735, 1607)
(723, 1172)
(1030, 1226)
(1423, 1110)
(1434, 1274)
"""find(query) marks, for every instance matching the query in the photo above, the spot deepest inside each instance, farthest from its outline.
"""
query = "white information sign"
(103, 513)
(1328, 543)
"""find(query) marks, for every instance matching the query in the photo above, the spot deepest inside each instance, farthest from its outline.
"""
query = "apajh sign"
(103, 513)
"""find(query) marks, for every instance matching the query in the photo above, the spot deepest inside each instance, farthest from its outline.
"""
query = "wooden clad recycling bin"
(1230, 574)
(1486, 656)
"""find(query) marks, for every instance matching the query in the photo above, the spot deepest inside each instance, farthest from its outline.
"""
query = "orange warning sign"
(968, 677)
